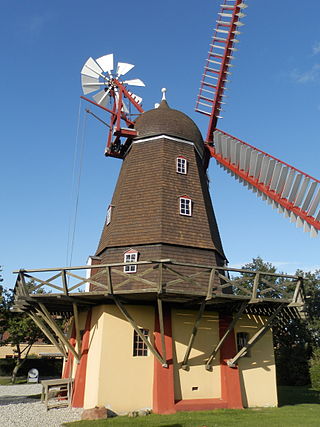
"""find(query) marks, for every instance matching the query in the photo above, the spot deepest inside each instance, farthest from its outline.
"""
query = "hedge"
(315, 369)
(46, 367)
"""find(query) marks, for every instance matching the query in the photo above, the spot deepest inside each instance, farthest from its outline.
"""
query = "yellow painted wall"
(208, 383)
(36, 349)
(122, 382)
(115, 378)
(257, 372)
(91, 398)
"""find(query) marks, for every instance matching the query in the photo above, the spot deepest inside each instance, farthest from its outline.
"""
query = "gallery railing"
(163, 276)
(39, 292)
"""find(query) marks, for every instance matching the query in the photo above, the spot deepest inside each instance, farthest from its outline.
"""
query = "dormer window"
(130, 256)
(181, 165)
(109, 212)
(185, 206)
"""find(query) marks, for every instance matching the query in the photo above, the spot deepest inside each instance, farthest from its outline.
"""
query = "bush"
(292, 366)
(315, 369)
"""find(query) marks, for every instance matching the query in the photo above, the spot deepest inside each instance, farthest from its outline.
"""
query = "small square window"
(242, 341)
(181, 165)
(185, 206)
(130, 256)
(139, 347)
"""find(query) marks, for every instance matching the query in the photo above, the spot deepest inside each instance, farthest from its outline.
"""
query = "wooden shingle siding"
(146, 204)
(146, 200)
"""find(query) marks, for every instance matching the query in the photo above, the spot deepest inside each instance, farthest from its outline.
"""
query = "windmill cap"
(167, 121)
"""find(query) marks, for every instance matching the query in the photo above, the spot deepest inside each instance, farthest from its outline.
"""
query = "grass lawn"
(7, 380)
(299, 407)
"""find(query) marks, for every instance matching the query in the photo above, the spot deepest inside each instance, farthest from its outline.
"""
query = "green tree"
(18, 330)
(294, 341)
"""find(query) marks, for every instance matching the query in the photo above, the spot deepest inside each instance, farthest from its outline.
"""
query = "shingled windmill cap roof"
(167, 121)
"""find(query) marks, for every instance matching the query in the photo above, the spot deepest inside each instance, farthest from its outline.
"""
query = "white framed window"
(130, 256)
(139, 347)
(109, 213)
(181, 165)
(185, 206)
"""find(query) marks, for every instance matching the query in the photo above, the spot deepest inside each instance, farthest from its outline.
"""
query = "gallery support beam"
(193, 335)
(44, 313)
(47, 333)
(256, 337)
(127, 316)
(236, 317)
(299, 294)
(77, 325)
(161, 326)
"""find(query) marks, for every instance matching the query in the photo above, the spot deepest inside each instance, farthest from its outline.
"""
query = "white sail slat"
(288, 184)
(264, 169)
(275, 176)
(295, 187)
(271, 167)
(309, 196)
(314, 205)
(282, 179)
(302, 191)
(253, 163)
(258, 166)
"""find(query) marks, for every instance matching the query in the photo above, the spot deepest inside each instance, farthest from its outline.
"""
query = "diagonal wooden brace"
(47, 333)
(193, 335)
(137, 329)
(161, 324)
(48, 319)
(256, 337)
(228, 331)
(298, 296)
(77, 325)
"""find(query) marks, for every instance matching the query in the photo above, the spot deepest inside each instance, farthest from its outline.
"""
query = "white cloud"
(33, 25)
(316, 48)
(311, 75)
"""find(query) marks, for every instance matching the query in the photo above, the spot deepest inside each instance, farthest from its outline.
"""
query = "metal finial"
(163, 90)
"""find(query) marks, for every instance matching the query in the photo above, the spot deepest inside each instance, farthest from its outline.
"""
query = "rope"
(76, 180)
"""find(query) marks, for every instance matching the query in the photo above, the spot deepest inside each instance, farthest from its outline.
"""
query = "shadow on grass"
(296, 395)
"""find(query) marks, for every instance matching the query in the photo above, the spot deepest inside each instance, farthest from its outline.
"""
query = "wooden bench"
(57, 392)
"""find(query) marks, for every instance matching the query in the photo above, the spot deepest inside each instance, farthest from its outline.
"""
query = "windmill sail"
(217, 68)
(294, 193)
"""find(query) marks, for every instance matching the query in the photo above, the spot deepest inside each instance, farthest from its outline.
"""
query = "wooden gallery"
(163, 323)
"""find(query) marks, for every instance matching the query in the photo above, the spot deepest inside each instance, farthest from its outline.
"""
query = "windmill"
(112, 94)
(294, 193)
(163, 322)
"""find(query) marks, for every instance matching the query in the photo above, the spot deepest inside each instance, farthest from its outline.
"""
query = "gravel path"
(18, 410)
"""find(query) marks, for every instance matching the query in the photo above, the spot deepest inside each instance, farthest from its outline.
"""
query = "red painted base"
(163, 382)
(230, 380)
(80, 378)
(163, 387)
(200, 405)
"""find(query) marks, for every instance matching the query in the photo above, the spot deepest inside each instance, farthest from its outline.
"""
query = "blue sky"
(273, 103)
